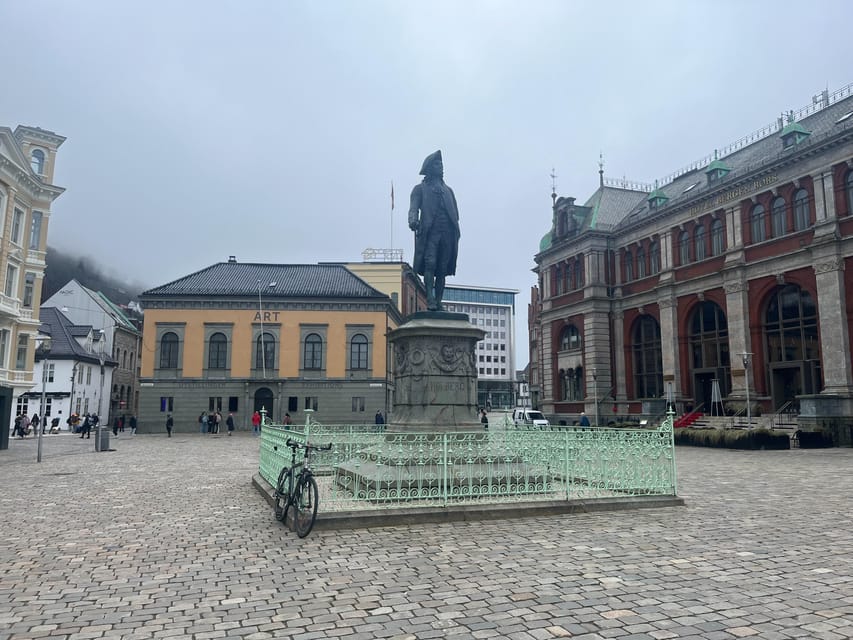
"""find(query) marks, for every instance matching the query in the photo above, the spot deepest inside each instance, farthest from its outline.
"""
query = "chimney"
(232, 258)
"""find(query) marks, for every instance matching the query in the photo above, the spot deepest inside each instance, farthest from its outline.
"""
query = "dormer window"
(657, 198)
(793, 133)
(717, 170)
(37, 161)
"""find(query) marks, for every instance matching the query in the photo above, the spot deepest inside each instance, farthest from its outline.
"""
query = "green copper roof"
(545, 242)
(794, 127)
(657, 194)
(717, 165)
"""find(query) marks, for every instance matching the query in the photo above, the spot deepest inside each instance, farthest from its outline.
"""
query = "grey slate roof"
(822, 125)
(291, 281)
(63, 346)
(610, 205)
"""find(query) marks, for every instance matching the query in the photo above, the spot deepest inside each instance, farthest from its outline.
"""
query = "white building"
(75, 375)
(492, 310)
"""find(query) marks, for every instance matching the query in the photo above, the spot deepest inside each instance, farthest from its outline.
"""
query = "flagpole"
(392, 219)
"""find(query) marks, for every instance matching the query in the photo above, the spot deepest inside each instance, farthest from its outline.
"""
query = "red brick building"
(650, 292)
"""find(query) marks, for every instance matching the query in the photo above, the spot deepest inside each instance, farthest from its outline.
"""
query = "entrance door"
(264, 400)
(703, 385)
(787, 383)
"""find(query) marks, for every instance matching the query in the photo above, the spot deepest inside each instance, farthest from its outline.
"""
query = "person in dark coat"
(584, 420)
(169, 424)
(434, 217)
(484, 419)
(230, 423)
(86, 429)
(133, 425)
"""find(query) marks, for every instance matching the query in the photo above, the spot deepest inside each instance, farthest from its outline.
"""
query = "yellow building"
(27, 160)
(238, 337)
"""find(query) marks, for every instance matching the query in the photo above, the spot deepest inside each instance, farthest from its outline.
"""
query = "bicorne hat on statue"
(429, 160)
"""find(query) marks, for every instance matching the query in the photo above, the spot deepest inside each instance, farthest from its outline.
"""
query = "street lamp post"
(747, 359)
(595, 392)
(45, 349)
(102, 359)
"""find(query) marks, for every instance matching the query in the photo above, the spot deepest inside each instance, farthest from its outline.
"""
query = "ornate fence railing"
(371, 469)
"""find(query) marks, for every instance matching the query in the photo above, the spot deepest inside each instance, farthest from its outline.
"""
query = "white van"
(529, 418)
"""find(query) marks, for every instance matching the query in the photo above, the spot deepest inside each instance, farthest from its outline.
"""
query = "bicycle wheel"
(282, 493)
(305, 502)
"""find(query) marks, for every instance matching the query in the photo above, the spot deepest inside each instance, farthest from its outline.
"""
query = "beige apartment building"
(27, 161)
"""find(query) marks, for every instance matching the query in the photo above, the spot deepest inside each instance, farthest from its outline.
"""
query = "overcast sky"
(272, 130)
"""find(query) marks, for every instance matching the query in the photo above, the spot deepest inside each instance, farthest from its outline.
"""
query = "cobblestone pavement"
(166, 538)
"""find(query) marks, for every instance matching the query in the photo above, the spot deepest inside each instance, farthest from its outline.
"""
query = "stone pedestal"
(436, 373)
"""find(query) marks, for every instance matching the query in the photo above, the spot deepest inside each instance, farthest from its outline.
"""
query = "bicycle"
(297, 488)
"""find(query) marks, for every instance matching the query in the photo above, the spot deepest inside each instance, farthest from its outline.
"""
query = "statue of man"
(434, 218)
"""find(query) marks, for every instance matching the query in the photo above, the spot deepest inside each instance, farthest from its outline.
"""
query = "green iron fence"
(371, 469)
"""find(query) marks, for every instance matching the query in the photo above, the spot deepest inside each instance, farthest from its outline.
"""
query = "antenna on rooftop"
(600, 169)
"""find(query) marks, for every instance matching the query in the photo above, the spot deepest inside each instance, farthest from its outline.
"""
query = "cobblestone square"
(167, 538)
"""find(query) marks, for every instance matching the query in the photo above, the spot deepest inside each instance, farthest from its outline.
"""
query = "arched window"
(629, 266)
(777, 217)
(358, 351)
(699, 242)
(37, 161)
(801, 210)
(848, 188)
(217, 351)
(641, 263)
(648, 361)
(684, 248)
(570, 338)
(313, 352)
(265, 351)
(791, 326)
(756, 224)
(654, 257)
(709, 342)
(718, 238)
(169, 351)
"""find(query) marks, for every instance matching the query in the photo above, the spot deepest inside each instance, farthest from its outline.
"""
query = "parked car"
(525, 418)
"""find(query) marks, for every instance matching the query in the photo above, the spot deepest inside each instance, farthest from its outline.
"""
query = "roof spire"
(553, 186)
(600, 169)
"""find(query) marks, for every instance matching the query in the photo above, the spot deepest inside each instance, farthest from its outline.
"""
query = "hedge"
(733, 438)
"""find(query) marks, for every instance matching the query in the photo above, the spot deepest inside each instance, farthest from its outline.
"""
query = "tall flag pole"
(392, 216)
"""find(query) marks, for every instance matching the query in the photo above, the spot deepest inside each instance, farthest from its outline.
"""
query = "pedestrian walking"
(379, 420)
(230, 423)
(34, 421)
(121, 421)
(18, 428)
(54, 425)
(584, 420)
(202, 422)
(86, 429)
(287, 419)
(25, 425)
(116, 426)
(256, 423)
(169, 424)
(484, 419)
(133, 425)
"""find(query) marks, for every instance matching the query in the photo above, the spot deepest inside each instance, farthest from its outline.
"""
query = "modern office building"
(27, 162)
(727, 279)
(238, 337)
(492, 310)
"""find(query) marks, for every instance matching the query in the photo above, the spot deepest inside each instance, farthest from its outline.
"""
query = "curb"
(470, 513)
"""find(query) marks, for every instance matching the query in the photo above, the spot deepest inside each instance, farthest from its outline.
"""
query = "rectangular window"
(21, 355)
(311, 402)
(77, 406)
(85, 406)
(166, 404)
(233, 403)
(88, 375)
(47, 407)
(4, 347)
(17, 224)
(358, 404)
(11, 289)
(51, 369)
(23, 407)
(35, 231)
(214, 403)
(293, 403)
(29, 288)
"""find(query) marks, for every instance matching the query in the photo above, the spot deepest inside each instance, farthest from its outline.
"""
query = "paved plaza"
(167, 538)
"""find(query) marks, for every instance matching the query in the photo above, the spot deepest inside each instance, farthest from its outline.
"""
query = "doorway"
(703, 386)
(786, 384)
(264, 400)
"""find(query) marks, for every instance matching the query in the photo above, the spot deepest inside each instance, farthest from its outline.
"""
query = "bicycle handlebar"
(293, 444)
